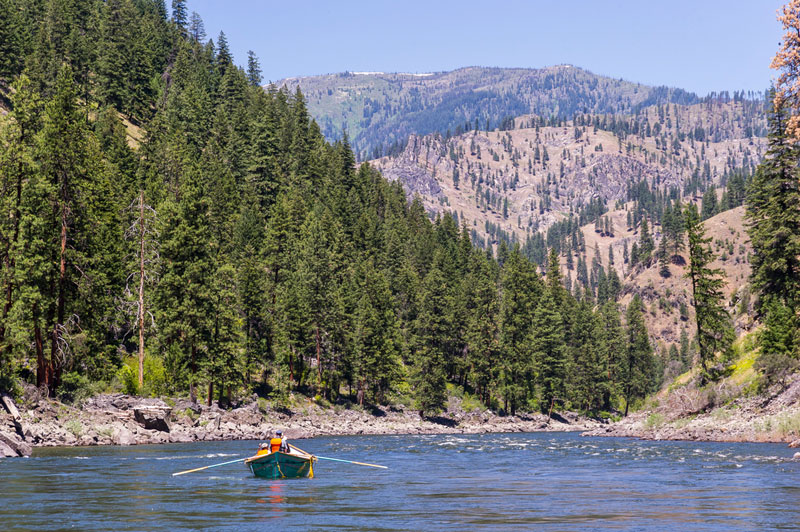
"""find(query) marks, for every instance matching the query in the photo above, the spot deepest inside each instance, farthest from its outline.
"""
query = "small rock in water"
(796, 456)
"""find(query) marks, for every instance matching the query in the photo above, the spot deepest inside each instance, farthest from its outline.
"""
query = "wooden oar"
(337, 459)
(208, 467)
(351, 462)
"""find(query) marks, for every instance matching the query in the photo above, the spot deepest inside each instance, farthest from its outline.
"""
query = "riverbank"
(715, 414)
(117, 419)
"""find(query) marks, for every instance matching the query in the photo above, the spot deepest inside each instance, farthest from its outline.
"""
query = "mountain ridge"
(379, 110)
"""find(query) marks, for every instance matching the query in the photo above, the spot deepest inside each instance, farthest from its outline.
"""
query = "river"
(542, 481)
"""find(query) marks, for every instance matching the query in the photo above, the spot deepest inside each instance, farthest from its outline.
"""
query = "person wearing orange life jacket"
(276, 444)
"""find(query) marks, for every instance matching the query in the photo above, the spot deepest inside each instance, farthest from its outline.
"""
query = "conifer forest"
(172, 226)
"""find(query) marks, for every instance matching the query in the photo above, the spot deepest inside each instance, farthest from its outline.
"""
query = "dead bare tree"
(134, 303)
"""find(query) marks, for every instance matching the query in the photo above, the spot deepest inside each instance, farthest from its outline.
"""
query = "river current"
(541, 481)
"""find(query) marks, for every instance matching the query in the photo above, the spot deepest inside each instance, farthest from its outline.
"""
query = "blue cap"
(278, 431)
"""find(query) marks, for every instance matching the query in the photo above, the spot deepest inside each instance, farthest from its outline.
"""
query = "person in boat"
(277, 444)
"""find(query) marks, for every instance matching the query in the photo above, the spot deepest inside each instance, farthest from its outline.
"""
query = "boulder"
(796, 456)
(13, 445)
(795, 444)
(124, 437)
(153, 417)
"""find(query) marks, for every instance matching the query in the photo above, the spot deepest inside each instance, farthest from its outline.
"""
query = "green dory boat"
(296, 464)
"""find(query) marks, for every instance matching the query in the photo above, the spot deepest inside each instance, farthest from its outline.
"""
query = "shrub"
(155, 376)
(74, 426)
(129, 378)
(654, 421)
(75, 387)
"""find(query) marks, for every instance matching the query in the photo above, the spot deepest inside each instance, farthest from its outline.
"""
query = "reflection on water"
(272, 499)
(447, 482)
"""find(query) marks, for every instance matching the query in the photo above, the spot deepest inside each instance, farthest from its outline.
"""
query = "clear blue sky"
(698, 45)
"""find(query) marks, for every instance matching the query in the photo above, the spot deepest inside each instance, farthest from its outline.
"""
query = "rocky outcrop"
(153, 417)
(688, 414)
(12, 434)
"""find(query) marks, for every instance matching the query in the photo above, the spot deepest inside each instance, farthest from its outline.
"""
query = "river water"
(541, 481)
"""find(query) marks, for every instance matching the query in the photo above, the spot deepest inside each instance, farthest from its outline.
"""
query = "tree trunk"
(291, 364)
(141, 289)
(319, 365)
(11, 261)
(193, 369)
(210, 392)
(62, 281)
(41, 363)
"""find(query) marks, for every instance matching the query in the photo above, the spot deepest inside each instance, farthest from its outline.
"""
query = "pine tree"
(646, 244)
(179, 14)
(10, 40)
(520, 288)
(184, 300)
(197, 30)
(639, 370)
(430, 329)
(548, 350)
(376, 344)
(253, 69)
(710, 207)
(714, 328)
(612, 354)
(224, 361)
(17, 159)
(773, 218)
(480, 293)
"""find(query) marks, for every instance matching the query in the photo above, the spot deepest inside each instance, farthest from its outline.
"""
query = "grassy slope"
(733, 409)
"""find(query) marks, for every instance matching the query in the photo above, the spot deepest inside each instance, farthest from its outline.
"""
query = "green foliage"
(76, 387)
(714, 328)
(129, 378)
(773, 218)
(267, 260)
(75, 427)
(640, 375)
(654, 421)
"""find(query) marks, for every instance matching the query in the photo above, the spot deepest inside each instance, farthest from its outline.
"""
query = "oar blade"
(208, 467)
(352, 462)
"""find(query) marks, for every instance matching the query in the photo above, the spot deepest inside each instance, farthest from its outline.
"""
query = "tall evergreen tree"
(773, 218)
(714, 328)
(639, 370)
(549, 350)
(430, 330)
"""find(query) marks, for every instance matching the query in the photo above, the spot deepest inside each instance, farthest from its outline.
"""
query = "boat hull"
(282, 465)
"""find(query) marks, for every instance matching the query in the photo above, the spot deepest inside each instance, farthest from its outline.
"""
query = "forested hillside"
(158, 205)
(380, 110)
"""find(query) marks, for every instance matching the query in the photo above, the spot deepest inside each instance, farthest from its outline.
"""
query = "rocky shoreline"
(687, 415)
(118, 419)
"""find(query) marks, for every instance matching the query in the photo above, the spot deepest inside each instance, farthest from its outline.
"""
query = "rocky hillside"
(525, 179)
(380, 110)
(594, 173)
(736, 408)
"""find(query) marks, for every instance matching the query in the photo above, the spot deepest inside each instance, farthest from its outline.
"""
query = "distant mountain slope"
(380, 110)
(510, 184)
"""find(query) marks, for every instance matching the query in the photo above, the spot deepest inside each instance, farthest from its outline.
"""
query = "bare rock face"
(12, 434)
(153, 416)
(414, 179)
(122, 436)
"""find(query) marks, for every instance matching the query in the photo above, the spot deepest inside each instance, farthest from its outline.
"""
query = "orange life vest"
(275, 445)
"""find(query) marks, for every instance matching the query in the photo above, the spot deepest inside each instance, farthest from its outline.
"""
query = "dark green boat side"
(282, 465)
